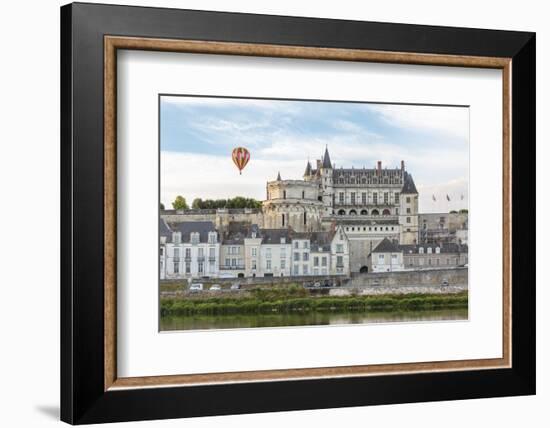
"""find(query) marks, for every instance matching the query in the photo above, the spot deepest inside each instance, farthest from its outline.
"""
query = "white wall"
(29, 165)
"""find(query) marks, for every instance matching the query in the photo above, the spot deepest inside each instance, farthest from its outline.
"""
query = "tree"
(463, 211)
(162, 206)
(180, 203)
(236, 202)
(453, 212)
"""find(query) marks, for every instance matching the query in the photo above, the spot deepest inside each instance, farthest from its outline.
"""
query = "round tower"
(292, 203)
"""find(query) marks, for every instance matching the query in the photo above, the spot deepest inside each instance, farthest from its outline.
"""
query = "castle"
(361, 197)
(367, 204)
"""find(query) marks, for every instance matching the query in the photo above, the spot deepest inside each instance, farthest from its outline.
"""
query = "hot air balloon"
(240, 156)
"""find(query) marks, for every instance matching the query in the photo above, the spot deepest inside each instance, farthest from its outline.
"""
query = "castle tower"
(326, 183)
(408, 210)
(294, 204)
(307, 173)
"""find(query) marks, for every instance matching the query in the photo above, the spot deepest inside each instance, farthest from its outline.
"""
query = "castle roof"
(308, 169)
(408, 186)
(326, 159)
(279, 176)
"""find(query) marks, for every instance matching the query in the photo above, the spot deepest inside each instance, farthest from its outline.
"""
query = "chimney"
(379, 168)
(402, 165)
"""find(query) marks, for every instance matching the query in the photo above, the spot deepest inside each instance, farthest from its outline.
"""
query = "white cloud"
(452, 121)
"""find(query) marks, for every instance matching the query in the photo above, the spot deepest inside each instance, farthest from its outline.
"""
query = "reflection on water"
(206, 322)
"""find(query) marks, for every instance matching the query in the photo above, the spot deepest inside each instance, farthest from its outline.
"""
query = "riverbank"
(297, 300)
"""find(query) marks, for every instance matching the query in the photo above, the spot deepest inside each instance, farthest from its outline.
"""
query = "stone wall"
(220, 218)
(426, 277)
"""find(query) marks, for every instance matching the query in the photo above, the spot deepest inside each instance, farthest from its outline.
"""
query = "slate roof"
(386, 246)
(326, 159)
(408, 186)
(164, 230)
(273, 236)
(237, 231)
(187, 227)
(320, 241)
(447, 248)
(308, 169)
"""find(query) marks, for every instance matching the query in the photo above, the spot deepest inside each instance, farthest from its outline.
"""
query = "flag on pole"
(448, 199)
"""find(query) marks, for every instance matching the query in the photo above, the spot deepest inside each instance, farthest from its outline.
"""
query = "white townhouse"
(386, 257)
(321, 253)
(192, 251)
(252, 246)
(340, 252)
(275, 253)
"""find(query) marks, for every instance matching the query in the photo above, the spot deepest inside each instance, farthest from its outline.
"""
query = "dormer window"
(437, 250)
(429, 250)
(212, 237)
(283, 240)
(421, 250)
(176, 237)
(194, 238)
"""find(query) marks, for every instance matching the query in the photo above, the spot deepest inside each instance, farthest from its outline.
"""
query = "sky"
(198, 134)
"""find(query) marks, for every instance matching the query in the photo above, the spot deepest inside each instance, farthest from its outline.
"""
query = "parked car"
(196, 287)
(215, 287)
(444, 283)
(236, 286)
(317, 284)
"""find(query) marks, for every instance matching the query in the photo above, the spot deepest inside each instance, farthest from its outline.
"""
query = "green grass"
(296, 300)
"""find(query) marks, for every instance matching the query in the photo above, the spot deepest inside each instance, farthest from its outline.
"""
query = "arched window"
(283, 219)
(303, 194)
(353, 212)
(386, 212)
(341, 212)
(364, 212)
(284, 194)
(305, 218)
(374, 212)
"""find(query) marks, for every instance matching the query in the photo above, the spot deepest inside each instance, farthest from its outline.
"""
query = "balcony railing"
(236, 267)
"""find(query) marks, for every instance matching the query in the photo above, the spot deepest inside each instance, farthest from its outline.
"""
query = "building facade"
(328, 194)
(195, 250)
(432, 256)
(386, 257)
(191, 251)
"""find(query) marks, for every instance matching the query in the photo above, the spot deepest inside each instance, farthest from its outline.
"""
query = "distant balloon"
(240, 156)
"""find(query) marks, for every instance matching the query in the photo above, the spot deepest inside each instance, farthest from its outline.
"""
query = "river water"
(207, 322)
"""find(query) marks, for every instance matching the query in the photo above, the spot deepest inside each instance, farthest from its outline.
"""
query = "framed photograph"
(266, 213)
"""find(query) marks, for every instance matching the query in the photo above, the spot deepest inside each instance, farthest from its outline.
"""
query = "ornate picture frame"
(91, 389)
